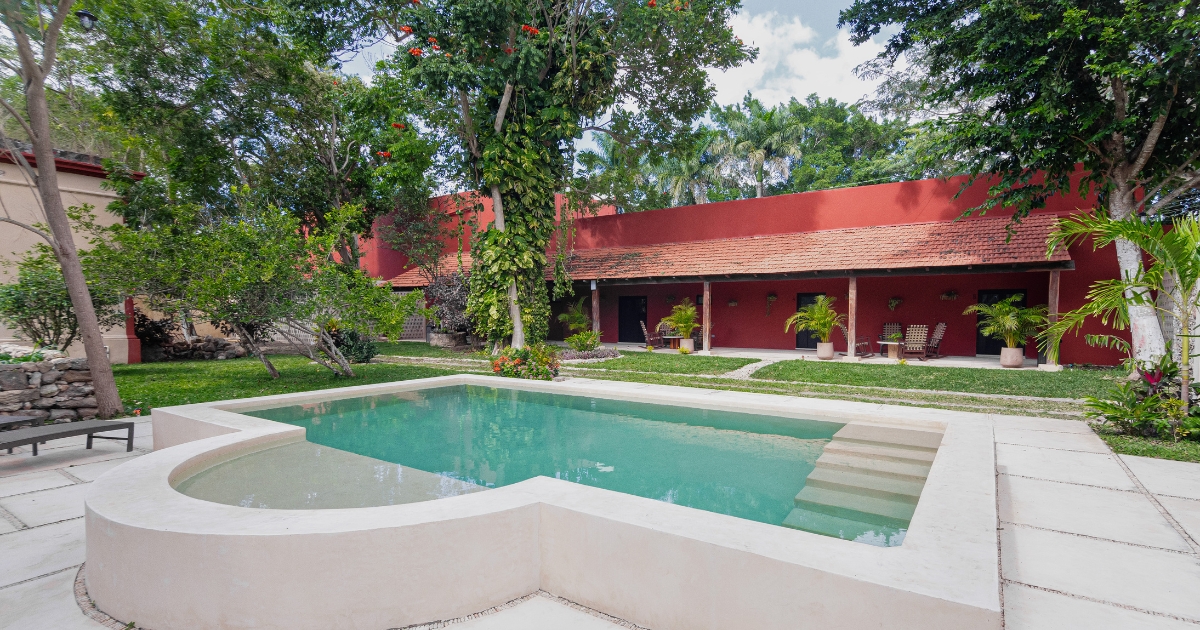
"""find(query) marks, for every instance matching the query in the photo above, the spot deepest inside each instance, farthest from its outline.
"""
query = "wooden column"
(706, 322)
(595, 307)
(852, 317)
(1052, 302)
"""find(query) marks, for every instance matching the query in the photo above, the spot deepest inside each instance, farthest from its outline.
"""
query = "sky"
(801, 51)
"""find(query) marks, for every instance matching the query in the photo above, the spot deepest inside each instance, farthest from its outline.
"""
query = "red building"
(896, 252)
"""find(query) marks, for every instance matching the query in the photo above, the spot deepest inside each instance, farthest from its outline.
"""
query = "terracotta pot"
(688, 343)
(1012, 357)
(825, 351)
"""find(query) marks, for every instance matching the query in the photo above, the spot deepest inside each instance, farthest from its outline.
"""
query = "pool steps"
(868, 478)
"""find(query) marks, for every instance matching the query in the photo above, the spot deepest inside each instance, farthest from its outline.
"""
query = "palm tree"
(691, 174)
(757, 139)
(818, 318)
(1008, 321)
(1173, 276)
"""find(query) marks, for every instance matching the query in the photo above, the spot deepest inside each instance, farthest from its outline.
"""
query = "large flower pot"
(1012, 357)
(825, 351)
(446, 340)
(689, 344)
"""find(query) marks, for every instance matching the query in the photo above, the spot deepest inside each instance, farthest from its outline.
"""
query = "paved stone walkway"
(1089, 540)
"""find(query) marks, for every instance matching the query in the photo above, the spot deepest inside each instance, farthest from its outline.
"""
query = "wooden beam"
(1052, 298)
(706, 321)
(852, 317)
(595, 307)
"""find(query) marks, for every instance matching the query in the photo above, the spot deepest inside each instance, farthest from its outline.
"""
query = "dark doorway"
(631, 314)
(805, 338)
(987, 345)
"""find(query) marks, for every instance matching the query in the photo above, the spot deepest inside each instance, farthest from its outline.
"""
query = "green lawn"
(1064, 384)
(668, 363)
(149, 385)
(417, 349)
(1183, 450)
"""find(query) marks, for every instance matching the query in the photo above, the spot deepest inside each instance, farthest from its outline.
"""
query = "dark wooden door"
(631, 314)
(805, 338)
(987, 345)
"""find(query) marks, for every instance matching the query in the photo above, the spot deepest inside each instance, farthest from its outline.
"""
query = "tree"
(838, 145)
(36, 30)
(757, 138)
(619, 175)
(1173, 276)
(526, 80)
(1029, 91)
(39, 307)
(689, 177)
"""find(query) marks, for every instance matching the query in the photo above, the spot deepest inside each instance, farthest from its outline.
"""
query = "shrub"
(32, 357)
(584, 341)
(599, 353)
(357, 348)
(538, 362)
(447, 294)
(576, 317)
(38, 306)
(1149, 406)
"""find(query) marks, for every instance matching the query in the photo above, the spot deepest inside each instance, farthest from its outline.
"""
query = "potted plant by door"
(1010, 322)
(683, 320)
(820, 319)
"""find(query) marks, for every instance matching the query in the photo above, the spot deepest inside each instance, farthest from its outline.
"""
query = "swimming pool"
(176, 562)
(443, 442)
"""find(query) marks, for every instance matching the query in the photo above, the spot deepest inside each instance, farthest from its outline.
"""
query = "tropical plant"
(39, 307)
(1025, 93)
(584, 341)
(682, 318)
(1169, 287)
(1149, 406)
(576, 317)
(757, 138)
(1008, 321)
(537, 362)
(356, 347)
(818, 318)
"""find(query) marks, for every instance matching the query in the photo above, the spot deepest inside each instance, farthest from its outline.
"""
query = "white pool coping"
(168, 561)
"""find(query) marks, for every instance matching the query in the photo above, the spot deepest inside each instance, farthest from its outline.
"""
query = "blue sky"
(801, 51)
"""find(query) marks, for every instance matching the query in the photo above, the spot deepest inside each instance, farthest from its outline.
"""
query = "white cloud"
(791, 62)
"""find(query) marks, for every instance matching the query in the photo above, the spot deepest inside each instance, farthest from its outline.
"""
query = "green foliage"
(154, 332)
(536, 361)
(682, 318)
(357, 348)
(818, 317)
(1023, 92)
(1008, 321)
(577, 317)
(1150, 406)
(38, 307)
(584, 341)
(32, 357)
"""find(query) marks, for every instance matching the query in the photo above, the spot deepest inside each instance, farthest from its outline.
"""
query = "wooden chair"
(862, 344)
(889, 329)
(916, 340)
(654, 340)
(932, 349)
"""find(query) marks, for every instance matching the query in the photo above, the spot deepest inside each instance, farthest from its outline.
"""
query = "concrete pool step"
(844, 528)
(885, 452)
(856, 506)
(889, 436)
(867, 484)
(877, 467)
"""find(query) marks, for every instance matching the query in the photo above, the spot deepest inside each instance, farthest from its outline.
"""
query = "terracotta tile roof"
(970, 242)
(414, 277)
(942, 244)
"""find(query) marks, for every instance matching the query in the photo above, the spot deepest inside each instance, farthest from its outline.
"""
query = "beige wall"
(18, 200)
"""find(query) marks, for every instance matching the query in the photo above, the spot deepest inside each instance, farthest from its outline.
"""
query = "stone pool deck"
(1088, 539)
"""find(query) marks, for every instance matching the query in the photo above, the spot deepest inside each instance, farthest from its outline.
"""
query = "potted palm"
(683, 320)
(820, 319)
(1010, 322)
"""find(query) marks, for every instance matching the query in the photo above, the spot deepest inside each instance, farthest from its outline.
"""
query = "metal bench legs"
(128, 440)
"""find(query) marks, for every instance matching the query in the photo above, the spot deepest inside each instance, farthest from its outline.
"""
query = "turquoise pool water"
(745, 465)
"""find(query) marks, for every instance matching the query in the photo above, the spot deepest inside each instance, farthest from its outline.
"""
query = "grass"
(150, 385)
(1183, 450)
(668, 363)
(417, 349)
(1069, 383)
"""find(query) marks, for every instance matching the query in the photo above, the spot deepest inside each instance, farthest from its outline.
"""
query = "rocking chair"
(932, 350)
(916, 340)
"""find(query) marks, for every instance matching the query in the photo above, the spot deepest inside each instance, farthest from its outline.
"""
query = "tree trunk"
(256, 349)
(1145, 330)
(758, 183)
(514, 307)
(107, 398)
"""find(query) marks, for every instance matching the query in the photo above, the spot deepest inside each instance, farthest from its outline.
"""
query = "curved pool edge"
(169, 561)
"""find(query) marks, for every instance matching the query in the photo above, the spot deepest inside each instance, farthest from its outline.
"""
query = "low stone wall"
(201, 348)
(59, 390)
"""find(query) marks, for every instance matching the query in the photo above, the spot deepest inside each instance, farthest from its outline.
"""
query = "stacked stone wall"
(58, 390)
